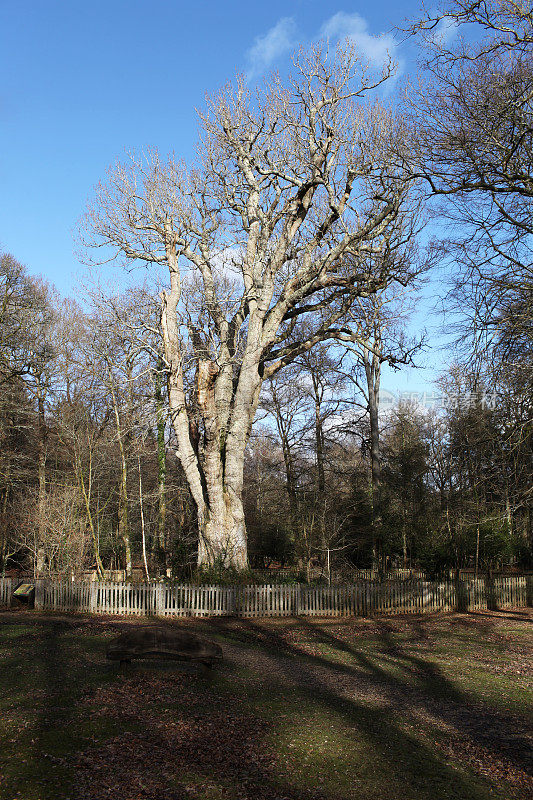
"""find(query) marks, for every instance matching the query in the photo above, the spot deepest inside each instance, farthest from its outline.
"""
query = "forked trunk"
(212, 457)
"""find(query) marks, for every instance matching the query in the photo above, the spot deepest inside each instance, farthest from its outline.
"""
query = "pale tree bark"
(161, 467)
(292, 188)
(120, 352)
(319, 443)
(372, 366)
(143, 523)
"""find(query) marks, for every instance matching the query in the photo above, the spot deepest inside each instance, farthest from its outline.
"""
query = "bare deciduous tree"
(377, 337)
(473, 120)
(291, 190)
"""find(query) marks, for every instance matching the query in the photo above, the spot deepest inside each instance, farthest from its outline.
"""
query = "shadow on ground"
(397, 726)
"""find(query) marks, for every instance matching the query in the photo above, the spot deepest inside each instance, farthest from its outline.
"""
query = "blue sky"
(82, 81)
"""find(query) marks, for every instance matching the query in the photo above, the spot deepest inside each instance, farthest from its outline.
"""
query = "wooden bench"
(153, 642)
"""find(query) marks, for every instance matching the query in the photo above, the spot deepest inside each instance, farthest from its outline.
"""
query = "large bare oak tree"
(292, 188)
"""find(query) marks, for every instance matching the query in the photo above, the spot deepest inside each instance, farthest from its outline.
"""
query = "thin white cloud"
(284, 37)
(227, 266)
(377, 49)
(268, 48)
(445, 31)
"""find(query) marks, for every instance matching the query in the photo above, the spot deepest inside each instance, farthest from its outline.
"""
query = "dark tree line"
(89, 478)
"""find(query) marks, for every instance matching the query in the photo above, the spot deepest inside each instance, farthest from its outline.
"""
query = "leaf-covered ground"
(405, 708)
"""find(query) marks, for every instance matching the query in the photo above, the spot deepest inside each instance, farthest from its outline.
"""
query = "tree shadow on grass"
(214, 743)
(507, 614)
(421, 683)
(493, 730)
(39, 678)
(410, 762)
(50, 668)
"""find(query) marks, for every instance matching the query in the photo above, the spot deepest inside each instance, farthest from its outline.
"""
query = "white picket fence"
(278, 600)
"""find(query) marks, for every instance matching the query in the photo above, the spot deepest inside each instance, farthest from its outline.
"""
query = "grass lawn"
(404, 708)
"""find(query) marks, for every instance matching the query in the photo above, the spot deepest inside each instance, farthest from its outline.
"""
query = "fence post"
(160, 599)
(39, 594)
(6, 592)
(296, 607)
(461, 595)
(529, 590)
(491, 594)
(93, 597)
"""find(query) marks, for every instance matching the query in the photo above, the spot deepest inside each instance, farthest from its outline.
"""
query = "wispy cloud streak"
(376, 49)
(275, 43)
